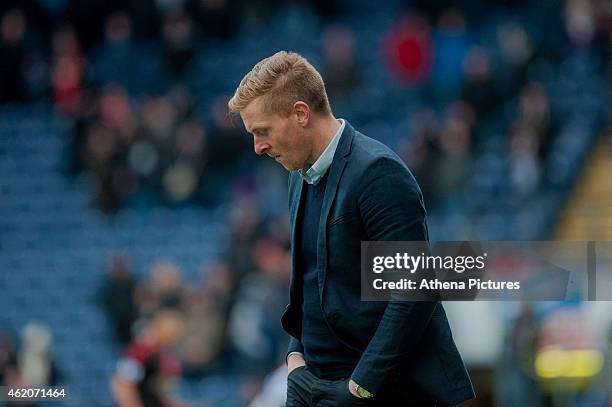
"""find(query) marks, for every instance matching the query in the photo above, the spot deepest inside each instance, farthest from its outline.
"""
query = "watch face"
(364, 393)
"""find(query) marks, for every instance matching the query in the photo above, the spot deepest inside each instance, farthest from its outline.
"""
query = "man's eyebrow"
(259, 128)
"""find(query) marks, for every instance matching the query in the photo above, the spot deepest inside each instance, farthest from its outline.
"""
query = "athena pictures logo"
(473, 270)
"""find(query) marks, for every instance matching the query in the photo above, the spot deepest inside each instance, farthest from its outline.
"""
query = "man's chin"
(289, 167)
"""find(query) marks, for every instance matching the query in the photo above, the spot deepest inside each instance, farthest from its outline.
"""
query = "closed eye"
(261, 132)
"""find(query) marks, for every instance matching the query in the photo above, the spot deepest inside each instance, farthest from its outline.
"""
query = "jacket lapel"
(335, 173)
(294, 211)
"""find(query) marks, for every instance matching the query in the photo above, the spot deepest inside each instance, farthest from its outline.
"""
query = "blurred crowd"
(228, 315)
(119, 72)
(122, 73)
(443, 150)
(477, 89)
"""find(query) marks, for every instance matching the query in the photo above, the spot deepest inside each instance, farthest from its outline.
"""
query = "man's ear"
(302, 112)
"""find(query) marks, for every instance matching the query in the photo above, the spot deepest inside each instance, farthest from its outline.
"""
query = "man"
(147, 368)
(345, 188)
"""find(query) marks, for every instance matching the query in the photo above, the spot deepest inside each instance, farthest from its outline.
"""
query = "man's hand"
(294, 361)
(353, 389)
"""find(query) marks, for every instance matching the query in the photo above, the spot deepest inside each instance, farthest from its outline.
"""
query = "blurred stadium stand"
(114, 139)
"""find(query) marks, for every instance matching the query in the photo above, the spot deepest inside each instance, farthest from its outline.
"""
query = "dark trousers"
(304, 389)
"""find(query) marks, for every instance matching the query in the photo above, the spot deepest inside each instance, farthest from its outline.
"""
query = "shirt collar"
(316, 171)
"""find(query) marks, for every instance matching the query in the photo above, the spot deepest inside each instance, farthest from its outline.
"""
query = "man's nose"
(260, 147)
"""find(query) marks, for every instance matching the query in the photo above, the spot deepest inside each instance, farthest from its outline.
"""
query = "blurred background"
(127, 189)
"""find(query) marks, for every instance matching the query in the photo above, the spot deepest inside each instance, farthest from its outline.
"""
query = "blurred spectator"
(579, 22)
(227, 156)
(35, 12)
(603, 37)
(35, 360)
(147, 368)
(204, 333)
(10, 375)
(180, 182)
(274, 389)
(516, 378)
(244, 224)
(515, 44)
(408, 49)
(421, 151)
(440, 153)
(68, 70)
(261, 293)
(531, 136)
(340, 66)
(451, 45)
(228, 144)
(12, 54)
(517, 50)
(525, 171)
(218, 285)
(122, 60)
(163, 290)
(8, 360)
(455, 140)
(118, 295)
(178, 42)
(534, 111)
(103, 145)
(479, 86)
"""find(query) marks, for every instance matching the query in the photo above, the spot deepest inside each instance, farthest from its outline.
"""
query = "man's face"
(170, 329)
(281, 138)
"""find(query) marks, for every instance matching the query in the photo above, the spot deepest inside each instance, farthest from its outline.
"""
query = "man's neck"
(323, 133)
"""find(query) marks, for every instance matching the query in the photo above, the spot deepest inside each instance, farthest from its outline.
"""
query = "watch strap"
(363, 392)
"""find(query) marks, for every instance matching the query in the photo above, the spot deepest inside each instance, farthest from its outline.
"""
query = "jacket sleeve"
(391, 207)
(294, 346)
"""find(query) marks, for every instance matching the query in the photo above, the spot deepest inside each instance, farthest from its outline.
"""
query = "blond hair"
(283, 79)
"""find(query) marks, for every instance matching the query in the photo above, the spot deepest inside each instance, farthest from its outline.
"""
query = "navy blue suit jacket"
(371, 195)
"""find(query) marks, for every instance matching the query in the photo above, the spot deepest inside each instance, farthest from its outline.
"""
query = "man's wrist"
(293, 353)
(361, 392)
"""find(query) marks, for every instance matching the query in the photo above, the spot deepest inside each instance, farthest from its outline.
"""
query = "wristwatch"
(363, 393)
